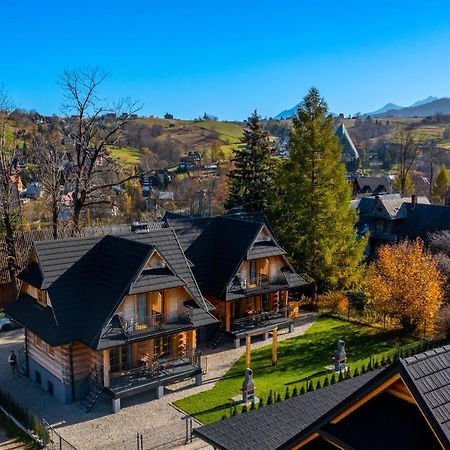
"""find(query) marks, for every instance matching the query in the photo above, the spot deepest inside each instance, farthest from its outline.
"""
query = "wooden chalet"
(403, 406)
(117, 314)
(242, 270)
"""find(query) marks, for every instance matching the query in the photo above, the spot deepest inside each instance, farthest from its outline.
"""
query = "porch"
(155, 375)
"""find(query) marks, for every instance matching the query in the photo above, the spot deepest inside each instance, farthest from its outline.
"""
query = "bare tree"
(407, 154)
(94, 128)
(10, 211)
(51, 160)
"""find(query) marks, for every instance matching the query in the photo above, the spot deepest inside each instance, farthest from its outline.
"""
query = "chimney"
(413, 200)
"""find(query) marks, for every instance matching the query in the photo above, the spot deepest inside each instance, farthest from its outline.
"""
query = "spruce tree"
(311, 208)
(251, 180)
(441, 185)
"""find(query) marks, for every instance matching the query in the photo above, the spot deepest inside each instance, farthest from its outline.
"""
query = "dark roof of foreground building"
(87, 278)
(218, 245)
(272, 426)
(384, 421)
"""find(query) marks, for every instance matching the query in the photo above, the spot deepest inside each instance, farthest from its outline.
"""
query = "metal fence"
(53, 440)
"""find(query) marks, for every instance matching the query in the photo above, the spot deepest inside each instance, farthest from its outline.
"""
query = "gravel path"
(158, 420)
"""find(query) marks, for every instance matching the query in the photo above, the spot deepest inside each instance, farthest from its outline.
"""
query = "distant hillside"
(441, 105)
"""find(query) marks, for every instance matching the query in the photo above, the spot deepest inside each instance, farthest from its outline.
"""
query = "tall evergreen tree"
(311, 209)
(441, 184)
(251, 180)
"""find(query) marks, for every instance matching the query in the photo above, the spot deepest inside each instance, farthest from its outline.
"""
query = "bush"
(302, 390)
(341, 376)
(334, 302)
(261, 403)
(295, 392)
(318, 385)
(333, 378)
(326, 382)
(363, 369)
(310, 387)
(278, 399)
(356, 372)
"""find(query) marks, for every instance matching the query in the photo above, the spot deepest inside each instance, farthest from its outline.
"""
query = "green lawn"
(299, 359)
(228, 131)
(126, 156)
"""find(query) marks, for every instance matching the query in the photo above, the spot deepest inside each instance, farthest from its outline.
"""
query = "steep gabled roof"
(346, 141)
(87, 278)
(217, 246)
(423, 219)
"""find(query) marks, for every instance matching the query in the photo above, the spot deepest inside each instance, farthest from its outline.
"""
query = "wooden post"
(228, 316)
(247, 351)
(106, 368)
(274, 347)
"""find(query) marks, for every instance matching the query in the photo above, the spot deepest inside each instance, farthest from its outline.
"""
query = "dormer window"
(42, 297)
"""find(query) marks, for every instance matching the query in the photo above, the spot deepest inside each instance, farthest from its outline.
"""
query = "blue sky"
(228, 58)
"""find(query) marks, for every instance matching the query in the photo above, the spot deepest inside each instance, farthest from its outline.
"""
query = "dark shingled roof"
(217, 246)
(272, 426)
(87, 278)
(32, 275)
(430, 376)
(423, 219)
(426, 375)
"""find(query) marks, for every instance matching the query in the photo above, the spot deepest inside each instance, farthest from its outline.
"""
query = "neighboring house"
(403, 406)
(32, 191)
(241, 269)
(372, 185)
(384, 217)
(115, 312)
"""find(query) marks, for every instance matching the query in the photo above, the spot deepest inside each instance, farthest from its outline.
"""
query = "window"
(50, 350)
(42, 297)
(37, 377)
(163, 346)
(50, 387)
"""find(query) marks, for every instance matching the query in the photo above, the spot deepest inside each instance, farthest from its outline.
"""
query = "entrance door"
(142, 309)
(119, 357)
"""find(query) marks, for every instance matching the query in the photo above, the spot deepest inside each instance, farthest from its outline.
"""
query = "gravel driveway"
(158, 420)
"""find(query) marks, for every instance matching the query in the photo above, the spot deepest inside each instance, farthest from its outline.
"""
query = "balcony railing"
(261, 319)
(253, 282)
(159, 371)
(154, 322)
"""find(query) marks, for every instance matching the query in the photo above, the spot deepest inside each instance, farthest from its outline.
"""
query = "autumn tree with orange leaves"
(405, 284)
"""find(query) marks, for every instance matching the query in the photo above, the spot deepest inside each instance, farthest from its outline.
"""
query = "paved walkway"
(160, 422)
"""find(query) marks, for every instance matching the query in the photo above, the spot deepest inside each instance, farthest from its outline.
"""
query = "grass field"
(126, 156)
(299, 359)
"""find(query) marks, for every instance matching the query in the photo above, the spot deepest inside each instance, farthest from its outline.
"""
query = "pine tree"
(251, 180)
(311, 206)
(287, 394)
(441, 184)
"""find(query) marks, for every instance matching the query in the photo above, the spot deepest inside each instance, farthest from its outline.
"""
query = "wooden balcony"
(157, 373)
(264, 320)
(156, 323)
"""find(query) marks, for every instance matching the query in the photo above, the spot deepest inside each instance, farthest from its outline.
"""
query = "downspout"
(72, 384)
(27, 370)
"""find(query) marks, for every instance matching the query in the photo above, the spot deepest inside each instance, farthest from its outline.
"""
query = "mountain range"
(422, 108)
